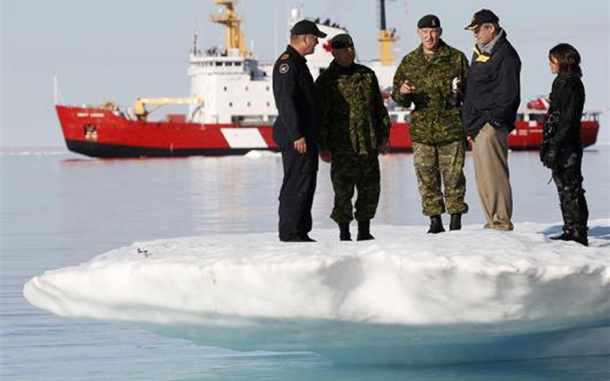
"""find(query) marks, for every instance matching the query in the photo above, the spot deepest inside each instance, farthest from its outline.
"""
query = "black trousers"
(568, 178)
(296, 194)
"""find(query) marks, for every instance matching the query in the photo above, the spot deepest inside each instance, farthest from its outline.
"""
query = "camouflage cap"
(341, 41)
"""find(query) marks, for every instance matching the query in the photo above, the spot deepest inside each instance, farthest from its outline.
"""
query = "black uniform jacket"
(493, 89)
(567, 100)
(294, 92)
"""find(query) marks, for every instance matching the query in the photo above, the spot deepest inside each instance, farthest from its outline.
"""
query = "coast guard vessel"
(231, 109)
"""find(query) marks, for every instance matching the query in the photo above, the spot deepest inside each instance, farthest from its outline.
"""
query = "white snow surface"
(406, 297)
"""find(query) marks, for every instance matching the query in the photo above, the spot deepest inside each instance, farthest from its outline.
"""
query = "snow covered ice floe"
(405, 298)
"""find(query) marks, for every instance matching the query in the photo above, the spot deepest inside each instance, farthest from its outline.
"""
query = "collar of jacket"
(484, 53)
(295, 53)
(337, 69)
(441, 52)
(567, 77)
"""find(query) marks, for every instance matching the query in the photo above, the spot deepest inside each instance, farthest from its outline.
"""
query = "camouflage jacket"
(434, 120)
(354, 118)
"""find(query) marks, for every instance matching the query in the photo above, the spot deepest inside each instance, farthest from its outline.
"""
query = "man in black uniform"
(295, 132)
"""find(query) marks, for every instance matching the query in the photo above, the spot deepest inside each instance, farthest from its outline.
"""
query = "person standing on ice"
(561, 150)
(295, 132)
(491, 99)
(355, 129)
(430, 77)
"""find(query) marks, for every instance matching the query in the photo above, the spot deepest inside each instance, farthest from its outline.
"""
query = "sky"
(120, 50)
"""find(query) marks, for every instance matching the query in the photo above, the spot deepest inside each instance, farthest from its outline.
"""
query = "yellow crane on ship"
(139, 106)
(229, 18)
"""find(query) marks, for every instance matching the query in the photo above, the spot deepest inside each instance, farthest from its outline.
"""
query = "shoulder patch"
(284, 68)
(285, 56)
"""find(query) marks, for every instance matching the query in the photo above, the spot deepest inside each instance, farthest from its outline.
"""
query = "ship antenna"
(56, 93)
(382, 14)
(194, 43)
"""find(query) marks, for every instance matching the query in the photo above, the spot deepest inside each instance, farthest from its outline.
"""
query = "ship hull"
(109, 134)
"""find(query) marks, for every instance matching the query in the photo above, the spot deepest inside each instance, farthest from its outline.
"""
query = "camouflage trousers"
(349, 171)
(446, 162)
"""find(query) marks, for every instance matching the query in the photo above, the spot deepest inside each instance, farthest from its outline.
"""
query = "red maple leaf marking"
(326, 45)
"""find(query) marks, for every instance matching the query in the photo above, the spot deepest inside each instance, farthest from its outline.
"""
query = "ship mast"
(229, 18)
(386, 39)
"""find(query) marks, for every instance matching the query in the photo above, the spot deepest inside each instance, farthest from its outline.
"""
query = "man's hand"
(406, 88)
(300, 145)
(550, 158)
(326, 156)
(384, 146)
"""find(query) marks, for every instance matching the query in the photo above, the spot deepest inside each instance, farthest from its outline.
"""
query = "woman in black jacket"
(561, 150)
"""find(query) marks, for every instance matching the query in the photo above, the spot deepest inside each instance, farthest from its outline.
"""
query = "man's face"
(484, 33)
(310, 42)
(345, 57)
(430, 37)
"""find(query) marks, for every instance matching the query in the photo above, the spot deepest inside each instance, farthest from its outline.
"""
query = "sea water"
(60, 209)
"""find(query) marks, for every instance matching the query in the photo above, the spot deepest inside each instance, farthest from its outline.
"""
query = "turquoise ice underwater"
(96, 206)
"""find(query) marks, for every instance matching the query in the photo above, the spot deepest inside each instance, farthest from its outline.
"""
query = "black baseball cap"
(341, 41)
(482, 17)
(306, 27)
(429, 21)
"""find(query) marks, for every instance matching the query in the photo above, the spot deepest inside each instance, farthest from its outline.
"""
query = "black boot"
(344, 234)
(364, 231)
(579, 235)
(563, 237)
(456, 221)
(436, 225)
(306, 238)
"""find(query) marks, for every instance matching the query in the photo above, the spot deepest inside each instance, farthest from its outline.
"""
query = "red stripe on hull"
(102, 133)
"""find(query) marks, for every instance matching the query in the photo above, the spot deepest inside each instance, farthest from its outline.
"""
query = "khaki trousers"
(490, 153)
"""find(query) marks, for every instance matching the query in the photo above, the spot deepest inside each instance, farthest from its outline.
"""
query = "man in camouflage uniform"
(430, 77)
(355, 128)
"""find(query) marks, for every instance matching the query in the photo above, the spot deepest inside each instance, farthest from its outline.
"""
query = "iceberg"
(405, 298)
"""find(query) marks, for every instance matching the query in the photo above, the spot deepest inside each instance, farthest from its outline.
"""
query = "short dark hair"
(567, 58)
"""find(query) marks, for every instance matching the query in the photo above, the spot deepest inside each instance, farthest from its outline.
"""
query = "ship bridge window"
(230, 104)
(407, 118)
(218, 63)
(225, 88)
(248, 104)
(238, 63)
(537, 117)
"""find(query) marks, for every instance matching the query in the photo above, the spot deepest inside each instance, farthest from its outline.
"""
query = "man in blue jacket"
(295, 132)
(491, 100)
